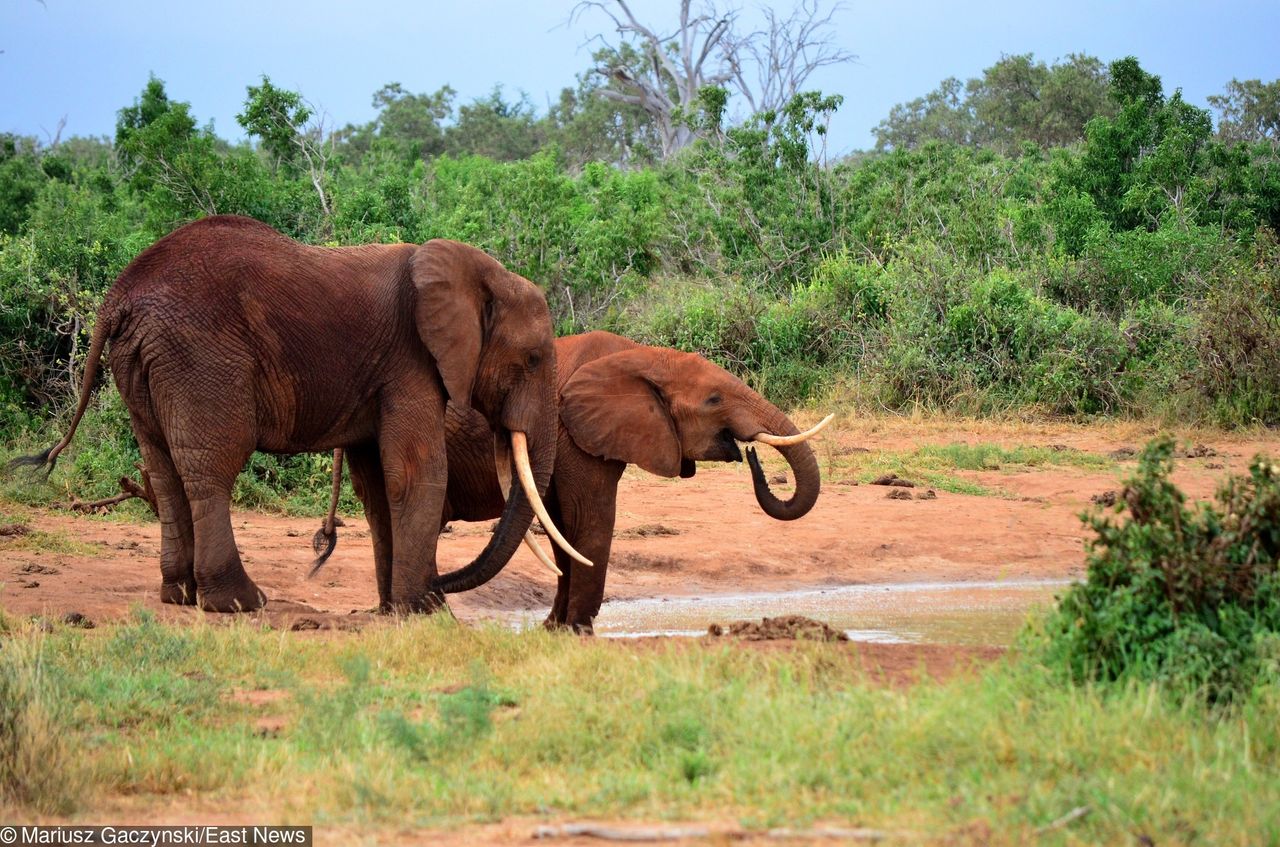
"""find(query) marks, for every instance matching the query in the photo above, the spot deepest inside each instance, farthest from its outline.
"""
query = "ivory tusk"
(503, 468)
(540, 554)
(787, 440)
(520, 447)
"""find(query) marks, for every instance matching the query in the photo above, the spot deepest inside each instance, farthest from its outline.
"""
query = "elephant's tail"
(101, 332)
(326, 537)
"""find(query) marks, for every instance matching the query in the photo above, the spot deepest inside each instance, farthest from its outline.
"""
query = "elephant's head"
(489, 332)
(664, 410)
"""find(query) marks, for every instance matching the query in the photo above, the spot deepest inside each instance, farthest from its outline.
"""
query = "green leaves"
(278, 118)
(1183, 595)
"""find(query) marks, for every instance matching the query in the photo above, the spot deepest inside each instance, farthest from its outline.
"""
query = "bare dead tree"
(675, 68)
(55, 138)
(767, 66)
(317, 146)
(782, 56)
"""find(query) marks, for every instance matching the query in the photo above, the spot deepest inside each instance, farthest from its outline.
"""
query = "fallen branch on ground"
(129, 489)
(679, 833)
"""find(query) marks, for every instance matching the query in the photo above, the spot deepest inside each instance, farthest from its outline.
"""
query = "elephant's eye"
(713, 400)
(533, 360)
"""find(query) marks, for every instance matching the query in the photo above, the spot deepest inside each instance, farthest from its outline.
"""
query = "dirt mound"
(784, 628)
(646, 562)
(648, 530)
(894, 480)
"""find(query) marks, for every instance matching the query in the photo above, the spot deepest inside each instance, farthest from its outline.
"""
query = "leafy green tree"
(168, 160)
(1249, 110)
(1146, 162)
(1019, 99)
(1016, 100)
(21, 176)
(490, 126)
(589, 127)
(277, 117)
(940, 115)
(411, 124)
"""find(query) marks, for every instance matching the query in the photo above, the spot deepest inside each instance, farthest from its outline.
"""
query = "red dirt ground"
(694, 537)
(675, 537)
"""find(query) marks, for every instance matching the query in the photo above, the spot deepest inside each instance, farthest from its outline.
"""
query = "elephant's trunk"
(804, 467)
(516, 517)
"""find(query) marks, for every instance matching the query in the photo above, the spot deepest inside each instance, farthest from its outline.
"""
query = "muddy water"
(969, 613)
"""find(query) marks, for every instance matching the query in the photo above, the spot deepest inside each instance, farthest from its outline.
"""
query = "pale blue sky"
(86, 59)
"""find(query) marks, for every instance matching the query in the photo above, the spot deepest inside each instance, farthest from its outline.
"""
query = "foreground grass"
(429, 723)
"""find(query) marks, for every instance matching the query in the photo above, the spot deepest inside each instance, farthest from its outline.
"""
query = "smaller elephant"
(620, 403)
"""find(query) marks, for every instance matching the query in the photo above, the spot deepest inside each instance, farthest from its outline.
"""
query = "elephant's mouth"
(724, 448)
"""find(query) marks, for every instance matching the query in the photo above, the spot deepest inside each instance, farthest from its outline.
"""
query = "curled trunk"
(804, 468)
(516, 518)
(517, 515)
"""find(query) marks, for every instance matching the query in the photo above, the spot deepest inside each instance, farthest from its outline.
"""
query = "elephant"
(227, 337)
(620, 403)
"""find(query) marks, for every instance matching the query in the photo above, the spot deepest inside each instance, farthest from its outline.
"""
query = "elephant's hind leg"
(208, 475)
(177, 535)
(370, 487)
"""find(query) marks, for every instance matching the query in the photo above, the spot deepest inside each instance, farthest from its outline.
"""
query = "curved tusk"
(520, 446)
(787, 440)
(503, 468)
(540, 554)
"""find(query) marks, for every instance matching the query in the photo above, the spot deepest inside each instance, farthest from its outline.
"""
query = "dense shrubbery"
(1131, 272)
(1185, 596)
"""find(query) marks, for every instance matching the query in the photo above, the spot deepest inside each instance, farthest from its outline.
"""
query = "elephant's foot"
(556, 625)
(429, 603)
(178, 593)
(242, 596)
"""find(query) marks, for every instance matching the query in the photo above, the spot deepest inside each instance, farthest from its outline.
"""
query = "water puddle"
(968, 613)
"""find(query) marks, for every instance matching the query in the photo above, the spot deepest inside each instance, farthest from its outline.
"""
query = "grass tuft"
(38, 769)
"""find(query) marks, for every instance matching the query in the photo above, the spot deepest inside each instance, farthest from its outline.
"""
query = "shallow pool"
(971, 613)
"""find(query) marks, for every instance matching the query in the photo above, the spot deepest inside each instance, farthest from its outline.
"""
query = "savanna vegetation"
(431, 724)
(1067, 239)
(1143, 708)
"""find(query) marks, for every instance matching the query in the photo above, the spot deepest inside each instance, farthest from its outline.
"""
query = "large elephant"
(228, 337)
(622, 403)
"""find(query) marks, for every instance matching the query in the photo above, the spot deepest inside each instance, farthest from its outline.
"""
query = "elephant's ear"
(611, 408)
(452, 289)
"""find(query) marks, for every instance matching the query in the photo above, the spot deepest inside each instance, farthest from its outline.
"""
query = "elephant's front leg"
(584, 493)
(415, 474)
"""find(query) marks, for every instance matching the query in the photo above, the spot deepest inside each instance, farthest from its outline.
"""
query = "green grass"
(429, 723)
(30, 538)
(943, 467)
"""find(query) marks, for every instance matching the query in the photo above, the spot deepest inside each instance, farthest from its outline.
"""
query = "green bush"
(1237, 339)
(1189, 597)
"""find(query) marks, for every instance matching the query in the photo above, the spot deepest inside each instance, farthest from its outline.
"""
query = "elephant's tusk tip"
(540, 554)
(787, 440)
